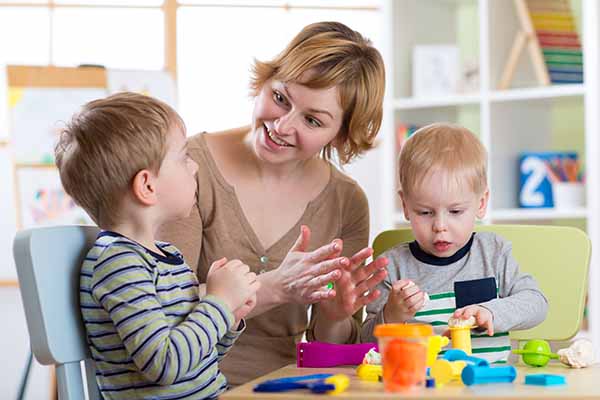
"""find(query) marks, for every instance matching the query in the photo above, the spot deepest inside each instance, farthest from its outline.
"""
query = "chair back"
(48, 262)
(558, 257)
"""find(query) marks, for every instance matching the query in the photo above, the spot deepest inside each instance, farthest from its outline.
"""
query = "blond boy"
(152, 331)
(443, 180)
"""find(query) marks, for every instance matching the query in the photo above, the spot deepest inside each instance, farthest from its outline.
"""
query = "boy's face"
(177, 177)
(442, 213)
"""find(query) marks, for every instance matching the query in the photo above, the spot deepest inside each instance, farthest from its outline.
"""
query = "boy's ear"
(404, 209)
(483, 202)
(144, 188)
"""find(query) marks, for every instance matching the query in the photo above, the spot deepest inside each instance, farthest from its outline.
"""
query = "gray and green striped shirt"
(520, 303)
(149, 333)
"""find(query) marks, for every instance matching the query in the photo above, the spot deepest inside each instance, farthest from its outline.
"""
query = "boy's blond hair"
(341, 57)
(445, 147)
(106, 144)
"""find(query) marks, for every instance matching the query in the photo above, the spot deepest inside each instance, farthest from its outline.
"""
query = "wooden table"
(581, 384)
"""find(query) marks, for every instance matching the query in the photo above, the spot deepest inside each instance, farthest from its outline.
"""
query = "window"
(214, 63)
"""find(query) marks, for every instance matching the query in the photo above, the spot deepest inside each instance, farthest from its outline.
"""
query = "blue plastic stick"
(472, 375)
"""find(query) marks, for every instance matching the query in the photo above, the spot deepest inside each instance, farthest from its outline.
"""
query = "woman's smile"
(276, 139)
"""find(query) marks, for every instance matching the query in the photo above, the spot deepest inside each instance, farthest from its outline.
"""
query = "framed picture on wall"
(42, 200)
(436, 70)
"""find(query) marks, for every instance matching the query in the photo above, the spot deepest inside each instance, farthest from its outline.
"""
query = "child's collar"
(426, 258)
(165, 256)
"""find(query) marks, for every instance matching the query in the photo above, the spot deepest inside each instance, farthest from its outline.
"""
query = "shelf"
(536, 214)
(411, 103)
(547, 92)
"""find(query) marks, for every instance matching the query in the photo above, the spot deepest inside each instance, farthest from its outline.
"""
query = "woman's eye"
(313, 122)
(278, 97)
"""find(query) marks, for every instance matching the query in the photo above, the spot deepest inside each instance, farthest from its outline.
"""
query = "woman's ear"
(144, 187)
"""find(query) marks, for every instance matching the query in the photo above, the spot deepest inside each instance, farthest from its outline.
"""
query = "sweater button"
(264, 259)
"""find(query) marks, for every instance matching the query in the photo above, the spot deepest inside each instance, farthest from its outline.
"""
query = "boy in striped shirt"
(153, 331)
(443, 180)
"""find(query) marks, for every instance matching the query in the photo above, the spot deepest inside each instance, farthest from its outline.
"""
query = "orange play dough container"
(403, 349)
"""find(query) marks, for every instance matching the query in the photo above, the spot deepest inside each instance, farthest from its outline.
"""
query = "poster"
(42, 200)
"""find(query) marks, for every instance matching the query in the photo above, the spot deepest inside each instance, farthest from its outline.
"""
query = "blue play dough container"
(472, 375)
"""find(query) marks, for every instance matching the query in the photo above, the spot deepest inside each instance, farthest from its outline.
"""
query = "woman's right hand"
(303, 276)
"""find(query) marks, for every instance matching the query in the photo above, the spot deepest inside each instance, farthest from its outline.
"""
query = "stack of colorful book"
(403, 132)
(557, 34)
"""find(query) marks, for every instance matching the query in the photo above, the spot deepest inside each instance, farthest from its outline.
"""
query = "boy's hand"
(404, 301)
(483, 316)
(244, 310)
(232, 282)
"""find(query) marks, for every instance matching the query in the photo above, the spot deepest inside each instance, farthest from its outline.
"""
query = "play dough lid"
(403, 330)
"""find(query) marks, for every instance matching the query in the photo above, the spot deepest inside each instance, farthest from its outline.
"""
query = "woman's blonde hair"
(342, 58)
(106, 144)
(450, 148)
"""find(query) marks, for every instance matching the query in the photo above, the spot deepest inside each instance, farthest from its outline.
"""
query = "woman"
(259, 185)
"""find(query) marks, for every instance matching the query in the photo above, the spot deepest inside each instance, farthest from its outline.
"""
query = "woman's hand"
(304, 275)
(355, 288)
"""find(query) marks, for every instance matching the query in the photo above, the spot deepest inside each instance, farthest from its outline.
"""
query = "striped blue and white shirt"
(520, 303)
(150, 334)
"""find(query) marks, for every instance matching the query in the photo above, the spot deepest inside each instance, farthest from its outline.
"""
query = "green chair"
(557, 256)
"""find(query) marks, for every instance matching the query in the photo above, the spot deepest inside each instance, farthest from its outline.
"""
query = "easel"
(526, 36)
(46, 77)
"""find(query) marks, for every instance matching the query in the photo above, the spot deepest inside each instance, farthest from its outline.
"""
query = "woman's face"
(292, 122)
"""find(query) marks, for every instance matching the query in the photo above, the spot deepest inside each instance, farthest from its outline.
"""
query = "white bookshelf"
(548, 92)
(525, 117)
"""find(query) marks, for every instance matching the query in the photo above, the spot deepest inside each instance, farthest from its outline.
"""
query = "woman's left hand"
(355, 288)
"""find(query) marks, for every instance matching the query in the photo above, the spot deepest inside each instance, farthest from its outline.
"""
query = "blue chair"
(48, 262)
